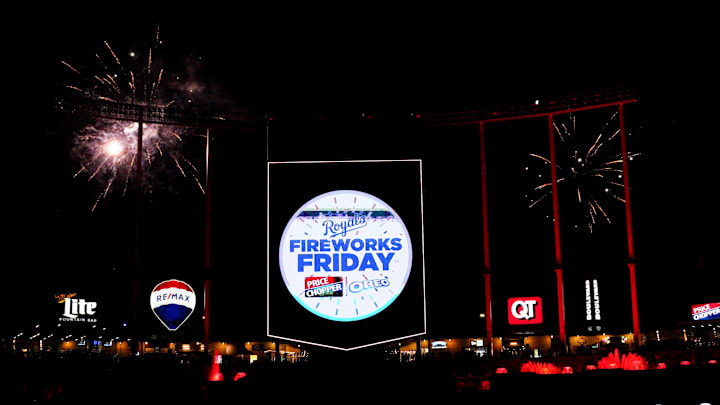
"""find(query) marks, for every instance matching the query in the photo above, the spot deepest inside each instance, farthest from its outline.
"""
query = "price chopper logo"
(324, 286)
(525, 311)
(706, 311)
(76, 309)
(345, 255)
(172, 301)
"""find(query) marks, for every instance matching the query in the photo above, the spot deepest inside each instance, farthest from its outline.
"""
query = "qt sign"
(525, 311)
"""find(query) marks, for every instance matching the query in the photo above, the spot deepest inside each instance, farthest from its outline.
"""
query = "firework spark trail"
(147, 74)
(586, 171)
(607, 169)
(107, 189)
(96, 203)
(71, 68)
(114, 84)
(539, 199)
(133, 90)
(156, 84)
(592, 152)
(159, 149)
(100, 61)
(199, 184)
(592, 148)
(189, 163)
(599, 207)
(178, 166)
(76, 89)
(105, 83)
(117, 61)
(558, 129)
(108, 167)
(194, 173)
(541, 158)
(104, 193)
(127, 176)
(100, 166)
(614, 183)
(82, 169)
(542, 186)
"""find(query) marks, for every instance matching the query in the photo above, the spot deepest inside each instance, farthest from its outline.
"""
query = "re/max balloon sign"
(345, 255)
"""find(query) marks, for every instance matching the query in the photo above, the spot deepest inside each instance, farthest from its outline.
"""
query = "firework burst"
(107, 149)
(588, 167)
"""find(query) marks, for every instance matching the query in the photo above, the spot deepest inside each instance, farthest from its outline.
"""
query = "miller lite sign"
(525, 311)
(76, 309)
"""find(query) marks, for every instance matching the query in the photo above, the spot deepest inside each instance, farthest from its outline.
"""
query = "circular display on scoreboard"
(345, 255)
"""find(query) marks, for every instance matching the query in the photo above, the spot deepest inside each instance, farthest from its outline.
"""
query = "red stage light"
(567, 370)
(684, 363)
(501, 370)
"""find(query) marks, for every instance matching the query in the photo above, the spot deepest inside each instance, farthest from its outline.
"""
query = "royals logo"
(335, 228)
(172, 301)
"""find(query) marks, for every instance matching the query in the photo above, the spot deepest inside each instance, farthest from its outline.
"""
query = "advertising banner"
(525, 311)
(172, 302)
(349, 259)
(349, 247)
(704, 312)
(76, 308)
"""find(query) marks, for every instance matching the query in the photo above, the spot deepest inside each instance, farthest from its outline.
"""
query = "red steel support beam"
(628, 223)
(138, 220)
(206, 314)
(486, 244)
(556, 226)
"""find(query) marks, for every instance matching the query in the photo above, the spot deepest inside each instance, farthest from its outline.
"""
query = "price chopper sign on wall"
(705, 312)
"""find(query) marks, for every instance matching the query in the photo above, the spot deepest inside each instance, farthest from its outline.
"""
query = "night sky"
(348, 88)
